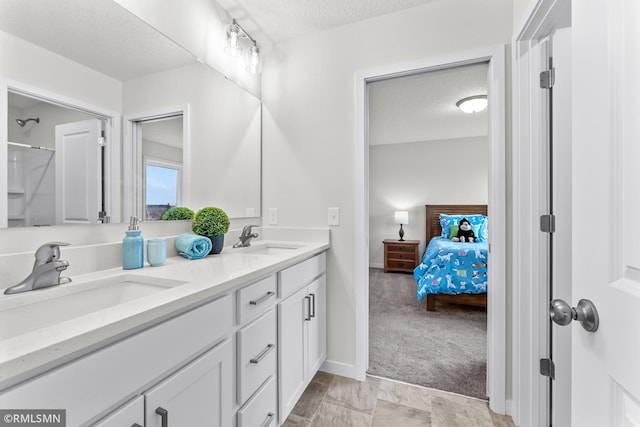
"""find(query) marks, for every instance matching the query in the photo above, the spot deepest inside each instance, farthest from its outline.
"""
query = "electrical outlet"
(334, 216)
(273, 216)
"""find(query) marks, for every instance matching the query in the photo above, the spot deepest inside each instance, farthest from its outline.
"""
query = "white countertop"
(36, 351)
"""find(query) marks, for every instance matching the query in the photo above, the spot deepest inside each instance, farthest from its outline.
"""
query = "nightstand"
(400, 255)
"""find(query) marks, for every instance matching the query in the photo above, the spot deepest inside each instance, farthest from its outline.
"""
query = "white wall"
(224, 152)
(29, 64)
(308, 93)
(408, 176)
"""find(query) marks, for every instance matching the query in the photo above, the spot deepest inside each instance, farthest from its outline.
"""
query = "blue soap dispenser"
(133, 246)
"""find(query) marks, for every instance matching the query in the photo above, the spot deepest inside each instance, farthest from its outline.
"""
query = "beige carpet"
(445, 349)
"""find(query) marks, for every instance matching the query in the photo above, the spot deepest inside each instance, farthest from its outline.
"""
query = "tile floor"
(334, 401)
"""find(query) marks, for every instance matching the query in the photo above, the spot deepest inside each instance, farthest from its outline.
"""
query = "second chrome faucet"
(245, 237)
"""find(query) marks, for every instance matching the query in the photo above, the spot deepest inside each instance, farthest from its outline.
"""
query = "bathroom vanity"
(230, 340)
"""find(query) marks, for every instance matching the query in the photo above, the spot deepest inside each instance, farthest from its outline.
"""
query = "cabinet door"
(128, 415)
(292, 313)
(197, 395)
(316, 328)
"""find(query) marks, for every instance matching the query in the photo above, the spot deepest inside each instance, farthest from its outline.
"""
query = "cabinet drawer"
(256, 299)
(400, 248)
(293, 278)
(260, 410)
(257, 354)
(400, 265)
(120, 369)
(402, 256)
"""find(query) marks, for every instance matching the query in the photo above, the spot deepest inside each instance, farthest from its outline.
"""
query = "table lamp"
(401, 217)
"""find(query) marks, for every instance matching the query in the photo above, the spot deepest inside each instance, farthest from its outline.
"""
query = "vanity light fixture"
(472, 104)
(253, 59)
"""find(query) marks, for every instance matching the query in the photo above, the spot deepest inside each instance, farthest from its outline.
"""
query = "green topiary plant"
(210, 221)
(178, 213)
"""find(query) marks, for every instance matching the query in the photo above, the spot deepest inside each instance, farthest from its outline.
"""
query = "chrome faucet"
(46, 270)
(245, 237)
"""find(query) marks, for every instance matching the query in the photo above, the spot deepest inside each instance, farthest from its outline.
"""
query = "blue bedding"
(449, 267)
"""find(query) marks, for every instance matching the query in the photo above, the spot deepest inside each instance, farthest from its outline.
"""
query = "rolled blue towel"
(193, 246)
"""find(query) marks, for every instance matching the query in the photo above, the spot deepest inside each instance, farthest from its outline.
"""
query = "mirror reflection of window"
(162, 165)
(162, 187)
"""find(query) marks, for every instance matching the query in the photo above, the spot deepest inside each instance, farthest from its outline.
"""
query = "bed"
(452, 272)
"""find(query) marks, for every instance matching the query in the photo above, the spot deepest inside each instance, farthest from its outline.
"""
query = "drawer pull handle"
(262, 299)
(308, 299)
(267, 422)
(313, 304)
(262, 355)
(164, 416)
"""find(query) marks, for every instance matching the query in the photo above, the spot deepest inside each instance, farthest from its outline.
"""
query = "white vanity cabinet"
(197, 395)
(301, 329)
(89, 387)
(130, 414)
(240, 358)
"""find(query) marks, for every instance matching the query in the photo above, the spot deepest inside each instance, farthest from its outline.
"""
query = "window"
(162, 184)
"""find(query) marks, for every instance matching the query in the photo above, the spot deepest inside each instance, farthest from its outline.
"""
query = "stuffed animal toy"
(465, 233)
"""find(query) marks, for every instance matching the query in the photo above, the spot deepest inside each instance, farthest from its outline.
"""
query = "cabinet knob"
(269, 419)
(262, 355)
(263, 299)
(164, 416)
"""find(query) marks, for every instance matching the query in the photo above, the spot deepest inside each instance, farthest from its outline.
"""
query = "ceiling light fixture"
(234, 34)
(472, 104)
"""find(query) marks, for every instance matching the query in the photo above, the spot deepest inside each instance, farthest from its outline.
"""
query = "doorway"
(497, 327)
(156, 159)
(36, 124)
(424, 150)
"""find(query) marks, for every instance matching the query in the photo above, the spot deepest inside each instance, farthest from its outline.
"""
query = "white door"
(293, 315)
(316, 327)
(78, 172)
(606, 211)
(196, 395)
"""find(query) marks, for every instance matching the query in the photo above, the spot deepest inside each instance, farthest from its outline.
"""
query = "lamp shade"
(253, 60)
(401, 217)
(473, 104)
(232, 32)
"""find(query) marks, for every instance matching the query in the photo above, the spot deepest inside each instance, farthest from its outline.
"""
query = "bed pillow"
(480, 220)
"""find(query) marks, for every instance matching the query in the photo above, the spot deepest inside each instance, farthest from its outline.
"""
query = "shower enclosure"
(48, 161)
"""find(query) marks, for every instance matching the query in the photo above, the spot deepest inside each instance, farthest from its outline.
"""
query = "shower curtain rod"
(35, 147)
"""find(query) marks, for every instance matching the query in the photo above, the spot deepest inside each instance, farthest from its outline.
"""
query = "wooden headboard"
(434, 211)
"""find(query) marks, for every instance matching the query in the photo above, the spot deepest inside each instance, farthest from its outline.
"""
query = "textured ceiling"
(97, 33)
(422, 107)
(279, 20)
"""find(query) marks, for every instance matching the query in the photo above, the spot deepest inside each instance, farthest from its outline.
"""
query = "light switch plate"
(334, 216)
(273, 216)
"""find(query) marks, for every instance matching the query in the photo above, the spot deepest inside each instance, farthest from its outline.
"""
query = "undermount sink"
(65, 302)
(270, 248)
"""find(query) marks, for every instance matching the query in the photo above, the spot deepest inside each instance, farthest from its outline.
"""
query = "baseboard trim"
(507, 407)
(375, 265)
(338, 368)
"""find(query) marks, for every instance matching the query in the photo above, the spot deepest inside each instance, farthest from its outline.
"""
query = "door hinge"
(547, 368)
(548, 223)
(547, 79)
(102, 141)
